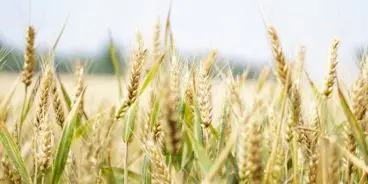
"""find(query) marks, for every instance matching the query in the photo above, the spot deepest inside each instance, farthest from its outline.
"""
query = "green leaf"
(146, 170)
(66, 96)
(12, 151)
(188, 116)
(202, 157)
(315, 91)
(214, 132)
(355, 127)
(325, 121)
(83, 130)
(223, 128)
(151, 74)
(29, 102)
(221, 159)
(129, 123)
(187, 151)
(187, 163)
(155, 113)
(231, 171)
(197, 127)
(108, 173)
(65, 142)
(119, 174)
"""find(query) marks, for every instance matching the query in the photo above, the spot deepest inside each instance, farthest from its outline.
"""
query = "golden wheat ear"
(29, 57)
(278, 55)
(9, 173)
(334, 166)
(205, 89)
(255, 153)
(243, 164)
(79, 86)
(156, 50)
(42, 130)
(43, 101)
(57, 105)
(160, 171)
(138, 59)
(331, 77)
(171, 119)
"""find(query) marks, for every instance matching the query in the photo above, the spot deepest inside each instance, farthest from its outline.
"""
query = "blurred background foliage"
(100, 63)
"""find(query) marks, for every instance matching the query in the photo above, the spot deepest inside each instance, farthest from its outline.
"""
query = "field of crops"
(168, 120)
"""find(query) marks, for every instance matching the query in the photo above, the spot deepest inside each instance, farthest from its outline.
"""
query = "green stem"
(43, 179)
(295, 158)
(36, 165)
(126, 163)
(19, 130)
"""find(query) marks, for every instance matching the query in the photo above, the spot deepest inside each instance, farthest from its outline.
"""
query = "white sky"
(232, 26)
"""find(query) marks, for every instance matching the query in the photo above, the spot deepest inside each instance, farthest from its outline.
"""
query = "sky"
(234, 27)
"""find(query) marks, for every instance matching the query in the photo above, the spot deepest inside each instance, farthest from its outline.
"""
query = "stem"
(222, 131)
(36, 168)
(206, 137)
(323, 159)
(169, 159)
(223, 156)
(43, 179)
(126, 163)
(119, 86)
(271, 160)
(295, 158)
(22, 113)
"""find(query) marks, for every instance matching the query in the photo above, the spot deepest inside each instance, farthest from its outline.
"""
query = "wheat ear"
(255, 153)
(330, 79)
(29, 57)
(135, 75)
(204, 91)
(278, 55)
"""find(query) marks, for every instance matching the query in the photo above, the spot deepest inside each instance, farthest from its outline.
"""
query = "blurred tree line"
(101, 62)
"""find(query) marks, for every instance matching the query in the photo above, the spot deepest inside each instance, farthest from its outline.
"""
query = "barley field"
(165, 119)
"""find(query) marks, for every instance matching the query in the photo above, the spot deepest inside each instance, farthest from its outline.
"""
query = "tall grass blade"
(151, 74)
(223, 156)
(129, 123)
(146, 170)
(65, 142)
(66, 96)
(202, 157)
(30, 101)
(355, 127)
(11, 149)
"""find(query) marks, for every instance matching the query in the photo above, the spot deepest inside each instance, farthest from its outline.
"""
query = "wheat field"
(164, 119)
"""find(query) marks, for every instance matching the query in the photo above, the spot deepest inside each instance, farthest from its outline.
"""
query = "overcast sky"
(233, 26)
